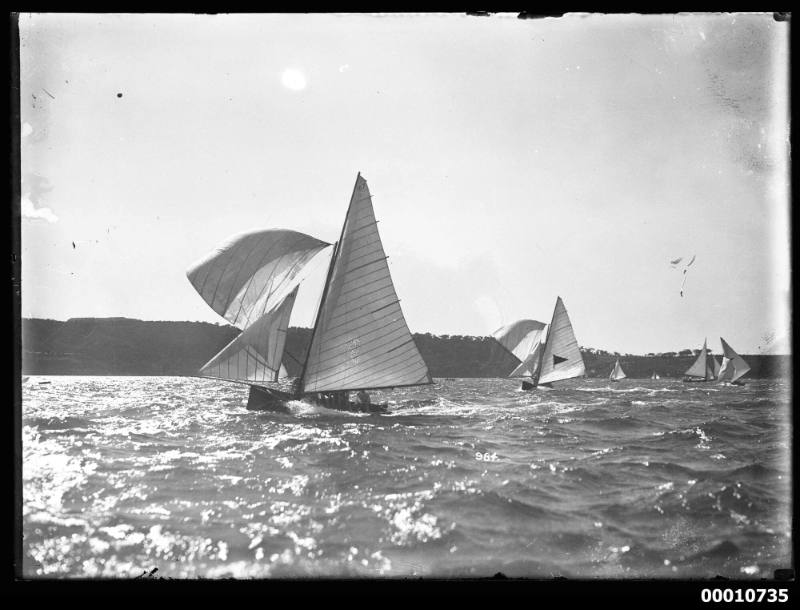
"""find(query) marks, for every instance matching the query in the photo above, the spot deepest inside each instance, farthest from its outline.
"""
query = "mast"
(544, 347)
(361, 339)
(325, 289)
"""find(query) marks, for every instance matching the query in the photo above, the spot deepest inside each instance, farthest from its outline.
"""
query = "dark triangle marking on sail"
(361, 339)
(558, 360)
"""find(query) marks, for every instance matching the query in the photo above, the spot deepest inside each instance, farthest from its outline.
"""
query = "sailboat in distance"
(733, 365)
(547, 353)
(617, 373)
(360, 340)
(525, 340)
(655, 376)
(703, 369)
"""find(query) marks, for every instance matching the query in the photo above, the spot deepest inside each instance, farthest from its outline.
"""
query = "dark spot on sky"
(119, 95)
(73, 245)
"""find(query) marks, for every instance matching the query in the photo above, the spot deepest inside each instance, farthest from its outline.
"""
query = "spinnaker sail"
(733, 365)
(256, 354)
(253, 272)
(524, 339)
(361, 339)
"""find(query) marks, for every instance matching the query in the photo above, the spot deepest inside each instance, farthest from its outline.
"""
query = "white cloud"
(29, 210)
(26, 129)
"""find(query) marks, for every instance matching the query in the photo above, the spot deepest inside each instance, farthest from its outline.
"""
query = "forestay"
(252, 273)
(733, 365)
(361, 339)
(256, 354)
(562, 357)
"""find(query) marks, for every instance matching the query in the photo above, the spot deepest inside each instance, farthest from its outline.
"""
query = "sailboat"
(704, 368)
(733, 365)
(546, 352)
(360, 340)
(655, 376)
(617, 373)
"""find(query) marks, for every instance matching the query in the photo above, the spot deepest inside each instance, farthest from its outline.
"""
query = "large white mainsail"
(561, 356)
(253, 272)
(255, 355)
(524, 339)
(700, 366)
(617, 373)
(360, 339)
(733, 365)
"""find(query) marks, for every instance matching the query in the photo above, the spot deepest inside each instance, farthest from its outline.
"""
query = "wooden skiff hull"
(265, 399)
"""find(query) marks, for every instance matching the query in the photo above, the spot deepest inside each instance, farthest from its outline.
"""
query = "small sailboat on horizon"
(655, 376)
(360, 340)
(617, 373)
(704, 368)
(547, 352)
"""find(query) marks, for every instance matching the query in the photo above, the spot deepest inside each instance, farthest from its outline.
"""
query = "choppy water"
(645, 479)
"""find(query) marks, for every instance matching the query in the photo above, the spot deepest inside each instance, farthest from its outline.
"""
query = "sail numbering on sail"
(546, 352)
(360, 340)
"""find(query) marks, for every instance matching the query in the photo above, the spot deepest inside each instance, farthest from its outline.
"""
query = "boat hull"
(528, 386)
(263, 399)
(275, 401)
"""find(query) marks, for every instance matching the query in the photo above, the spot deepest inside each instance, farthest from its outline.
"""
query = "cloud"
(26, 129)
(30, 211)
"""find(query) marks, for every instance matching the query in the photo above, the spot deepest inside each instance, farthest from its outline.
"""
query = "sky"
(510, 162)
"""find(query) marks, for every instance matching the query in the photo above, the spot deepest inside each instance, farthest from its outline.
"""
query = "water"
(466, 478)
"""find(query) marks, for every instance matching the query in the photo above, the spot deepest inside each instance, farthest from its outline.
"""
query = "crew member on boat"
(362, 398)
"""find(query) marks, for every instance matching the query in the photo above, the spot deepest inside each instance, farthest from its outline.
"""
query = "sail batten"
(561, 356)
(256, 354)
(252, 272)
(360, 338)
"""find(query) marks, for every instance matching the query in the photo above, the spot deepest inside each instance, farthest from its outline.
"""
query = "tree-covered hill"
(123, 346)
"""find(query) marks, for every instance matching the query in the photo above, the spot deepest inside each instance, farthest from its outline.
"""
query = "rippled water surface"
(467, 477)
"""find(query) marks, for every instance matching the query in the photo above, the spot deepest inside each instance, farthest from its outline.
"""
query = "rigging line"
(229, 260)
(288, 277)
(360, 316)
(235, 285)
(328, 279)
(398, 333)
(550, 333)
(252, 278)
(406, 365)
